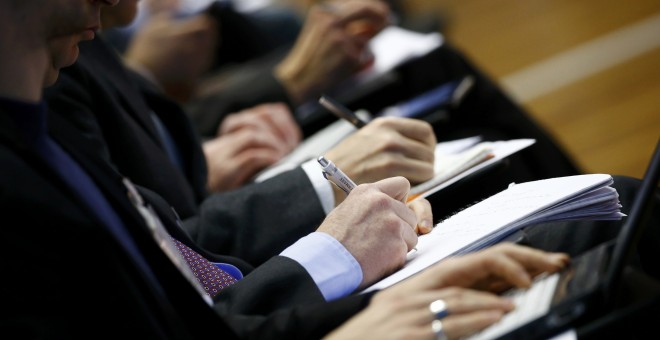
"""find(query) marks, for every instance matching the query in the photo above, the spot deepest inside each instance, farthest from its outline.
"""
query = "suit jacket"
(111, 106)
(66, 276)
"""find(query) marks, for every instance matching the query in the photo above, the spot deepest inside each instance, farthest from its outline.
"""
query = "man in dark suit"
(93, 253)
(116, 106)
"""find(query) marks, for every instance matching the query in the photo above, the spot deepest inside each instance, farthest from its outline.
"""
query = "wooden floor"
(587, 70)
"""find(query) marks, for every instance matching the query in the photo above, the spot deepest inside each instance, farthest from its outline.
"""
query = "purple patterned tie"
(212, 278)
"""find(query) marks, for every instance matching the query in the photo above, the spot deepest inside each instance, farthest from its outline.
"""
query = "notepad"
(455, 164)
(582, 197)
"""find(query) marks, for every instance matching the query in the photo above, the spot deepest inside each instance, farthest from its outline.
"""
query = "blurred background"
(587, 70)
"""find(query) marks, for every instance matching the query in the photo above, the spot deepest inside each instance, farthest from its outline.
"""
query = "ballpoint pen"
(341, 111)
(332, 173)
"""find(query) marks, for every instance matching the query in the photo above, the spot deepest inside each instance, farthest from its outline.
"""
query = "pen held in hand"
(341, 111)
(332, 173)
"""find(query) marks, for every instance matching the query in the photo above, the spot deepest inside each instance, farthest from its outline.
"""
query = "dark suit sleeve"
(260, 220)
(278, 299)
(311, 321)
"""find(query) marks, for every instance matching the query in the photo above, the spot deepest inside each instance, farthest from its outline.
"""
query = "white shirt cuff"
(321, 185)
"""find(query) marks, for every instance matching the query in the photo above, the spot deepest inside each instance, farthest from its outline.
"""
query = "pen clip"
(335, 175)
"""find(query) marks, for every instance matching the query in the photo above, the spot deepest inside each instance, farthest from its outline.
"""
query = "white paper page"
(454, 147)
(393, 46)
(500, 150)
(449, 166)
(499, 211)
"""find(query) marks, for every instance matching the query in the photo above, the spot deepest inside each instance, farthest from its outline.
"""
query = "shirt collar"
(29, 117)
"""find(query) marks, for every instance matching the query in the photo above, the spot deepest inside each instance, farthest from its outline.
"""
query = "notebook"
(586, 288)
(493, 219)
(453, 166)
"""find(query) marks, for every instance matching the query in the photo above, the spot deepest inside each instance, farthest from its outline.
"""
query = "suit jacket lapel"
(105, 177)
(97, 54)
(139, 98)
(8, 133)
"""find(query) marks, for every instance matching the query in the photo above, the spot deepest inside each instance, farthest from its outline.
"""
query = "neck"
(23, 67)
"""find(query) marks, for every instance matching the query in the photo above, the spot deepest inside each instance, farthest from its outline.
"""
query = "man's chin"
(71, 57)
(51, 77)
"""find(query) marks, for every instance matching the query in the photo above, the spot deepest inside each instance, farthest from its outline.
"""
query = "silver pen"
(333, 174)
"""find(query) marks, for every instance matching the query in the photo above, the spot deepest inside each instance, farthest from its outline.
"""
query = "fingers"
(246, 119)
(234, 158)
(233, 174)
(363, 17)
(424, 213)
(330, 48)
(386, 148)
(248, 163)
(274, 119)
(468, 311)
(395, 187)
(416, 171)
(470, 323)
(471, 311)
(282, 121)
(458, 301)
(494, 269)
(412, 141)
(519, 264)
(245, 140)
(410, 128)
(508, 264)
(398, 188)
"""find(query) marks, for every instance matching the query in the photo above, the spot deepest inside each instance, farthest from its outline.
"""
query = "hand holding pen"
(384, 147)
(421, 207)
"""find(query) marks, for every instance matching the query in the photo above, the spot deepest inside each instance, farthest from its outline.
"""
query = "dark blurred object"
(243, 36)
(248, 36)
